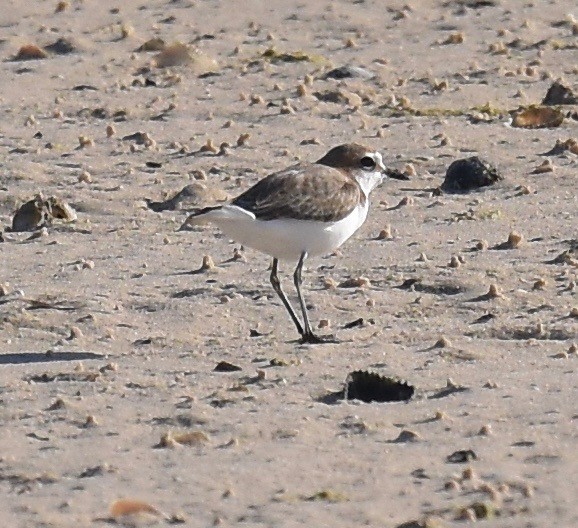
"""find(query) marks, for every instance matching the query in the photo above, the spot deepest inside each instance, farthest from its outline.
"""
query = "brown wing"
(304, 192)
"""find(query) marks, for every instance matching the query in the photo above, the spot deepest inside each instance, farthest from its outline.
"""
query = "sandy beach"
(111, 410)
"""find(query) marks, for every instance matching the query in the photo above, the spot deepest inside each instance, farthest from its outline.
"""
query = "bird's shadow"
(24, 358)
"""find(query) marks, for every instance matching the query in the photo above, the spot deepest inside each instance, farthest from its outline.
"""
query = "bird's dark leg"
(276, 283)
(307, 336)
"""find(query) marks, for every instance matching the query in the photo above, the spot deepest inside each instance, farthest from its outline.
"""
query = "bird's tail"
(200, 217)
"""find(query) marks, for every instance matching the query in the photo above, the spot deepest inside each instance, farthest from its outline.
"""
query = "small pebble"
(385, 234)
(110, 131)
(485, 430)
(540, 284)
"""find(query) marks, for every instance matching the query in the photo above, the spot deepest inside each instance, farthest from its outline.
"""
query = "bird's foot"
(312, 339)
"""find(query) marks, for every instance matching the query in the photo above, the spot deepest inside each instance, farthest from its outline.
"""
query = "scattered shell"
(538, 117)
(154, 44)
(287, 109)
(75, 333)
(544, 167)
(494, 292)
(85, 177)
(209, 146)
(570, 145)
(485, 430)
(454, 262)
(243, 138)
(31, 215)
(256, 99)
(358, 282)
(208, 263)
(176, 54)
(515, 239)
(482, 245)
(407, 436)
(84, 141)
(61, 6)
(30, 52)
(385, 234)
(470, 173)
(131, 507)
(455, 38)
(126, 31)
(58, 208)
(90, 421)
(442, 342)
(371, 387)
(329, 283)
(190, 438)
(560, 94)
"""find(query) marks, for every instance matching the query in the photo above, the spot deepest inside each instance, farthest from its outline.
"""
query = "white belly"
(286, 239)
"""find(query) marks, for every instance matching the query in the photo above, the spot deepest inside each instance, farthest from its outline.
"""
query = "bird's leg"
(307, 336)
(276, 283)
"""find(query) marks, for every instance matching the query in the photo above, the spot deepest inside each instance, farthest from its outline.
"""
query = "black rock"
(470, 173)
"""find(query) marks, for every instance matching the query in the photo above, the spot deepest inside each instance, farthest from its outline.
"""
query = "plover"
(306, 210)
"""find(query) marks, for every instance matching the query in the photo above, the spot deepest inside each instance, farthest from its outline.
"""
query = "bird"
(303, 211)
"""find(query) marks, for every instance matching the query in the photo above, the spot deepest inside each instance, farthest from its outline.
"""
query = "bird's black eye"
(368, 163)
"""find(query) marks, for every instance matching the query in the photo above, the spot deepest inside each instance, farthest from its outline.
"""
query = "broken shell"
(544, 167)
(359, 282)
(538, 117)
(61, 6)
(209, 146)
(385, 234)
(84, 142)
(130, 507)
(485, 430)
(455, 38)
(85, 177)
(243, 138)
(176, 54)
(454, 262)
(494, 292)
(329, 283)
(208, 263)
(30, 52)
(482, 245)
(287, 109)
(514, 240)
(442, 342)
